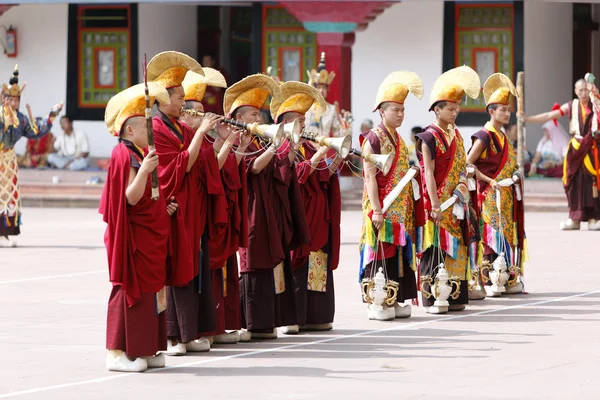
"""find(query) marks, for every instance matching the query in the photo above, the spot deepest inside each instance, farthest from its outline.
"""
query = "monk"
(189, 173)
(313, 263)
(276, 218)
(579, 171)
(388, 238)
(229, 235)
(136, 239)
(449, 239)
(495, 160)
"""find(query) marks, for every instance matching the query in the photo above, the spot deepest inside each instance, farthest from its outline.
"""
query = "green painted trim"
(330, 27)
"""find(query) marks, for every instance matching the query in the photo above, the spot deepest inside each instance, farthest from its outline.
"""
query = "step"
(39, 188)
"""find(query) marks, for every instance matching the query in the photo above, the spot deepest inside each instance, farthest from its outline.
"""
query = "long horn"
(273, 133)
(292, 131)
(341, 145)
(381, 161)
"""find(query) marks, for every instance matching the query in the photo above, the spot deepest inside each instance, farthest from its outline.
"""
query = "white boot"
(290, 330)
(457, 307)
(116, 360)
(514, 289)
(489, 292)
(265, 335)
(593, 225)
(317, 327)
(570, 225)
(8, 242)
(157, 361)
(198, 345)
(175, 350)
(402, 310)
(245, 335)
(227, 338)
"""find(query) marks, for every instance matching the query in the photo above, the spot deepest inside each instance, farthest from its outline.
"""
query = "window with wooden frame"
(288, 48)
(488, 37)
(102, 57)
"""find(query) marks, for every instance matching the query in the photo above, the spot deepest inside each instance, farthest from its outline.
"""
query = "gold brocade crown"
(396, 86)
(253, 90)
(130, 103)
(452, 85)
(497, 89)
(195, 84)
(13, 89)
(320, 76)
(170, 67)
(297, 97)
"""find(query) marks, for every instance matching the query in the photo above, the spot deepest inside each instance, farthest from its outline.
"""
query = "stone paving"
(543, 345)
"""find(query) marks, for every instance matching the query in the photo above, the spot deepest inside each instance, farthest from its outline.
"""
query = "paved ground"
(545, 345)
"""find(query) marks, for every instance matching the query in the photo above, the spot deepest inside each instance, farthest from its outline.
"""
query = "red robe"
(190, 190)
(323, 207)
(136, 243)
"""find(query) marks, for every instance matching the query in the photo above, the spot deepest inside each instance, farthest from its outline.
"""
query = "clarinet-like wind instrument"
(154, 174)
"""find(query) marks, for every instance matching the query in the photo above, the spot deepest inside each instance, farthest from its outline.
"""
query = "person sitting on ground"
(550, 152)
(37, 150)
(72, 149)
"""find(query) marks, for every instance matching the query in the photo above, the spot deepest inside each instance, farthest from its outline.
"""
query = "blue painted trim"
(330, 27)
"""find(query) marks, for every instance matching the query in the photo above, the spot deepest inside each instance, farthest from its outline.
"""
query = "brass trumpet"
(339, 144)
(381, 161)
(273, 133)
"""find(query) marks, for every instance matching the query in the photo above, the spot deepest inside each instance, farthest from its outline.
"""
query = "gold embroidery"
(317, 271)
(224, 277)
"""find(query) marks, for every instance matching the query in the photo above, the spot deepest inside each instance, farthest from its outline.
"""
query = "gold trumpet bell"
(341, 145)
(292, 131)
(274, 133)
(381, 161)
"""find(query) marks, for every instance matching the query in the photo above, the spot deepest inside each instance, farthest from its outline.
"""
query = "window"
(102, 57)
(288, 49)
(488, 37)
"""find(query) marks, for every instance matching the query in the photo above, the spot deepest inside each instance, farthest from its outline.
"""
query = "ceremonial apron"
(10, 200)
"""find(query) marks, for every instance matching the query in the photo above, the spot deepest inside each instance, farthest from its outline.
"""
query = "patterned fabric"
(24, 129)
(278, 275)
(10, 201)
(317, 271)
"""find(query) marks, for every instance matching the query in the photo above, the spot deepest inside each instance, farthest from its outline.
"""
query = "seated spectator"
(550, 151)
(412, 147)
(72, 149)
(366, 125)
(37, 151)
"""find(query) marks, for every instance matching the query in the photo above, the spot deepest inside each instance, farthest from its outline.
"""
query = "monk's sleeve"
(303, 170)
(172, 161)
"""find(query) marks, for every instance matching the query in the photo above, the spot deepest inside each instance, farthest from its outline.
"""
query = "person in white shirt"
(72, 149)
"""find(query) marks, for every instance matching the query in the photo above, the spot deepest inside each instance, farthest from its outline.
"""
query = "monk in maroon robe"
(136, 243)
(579, 172)
(189, 173)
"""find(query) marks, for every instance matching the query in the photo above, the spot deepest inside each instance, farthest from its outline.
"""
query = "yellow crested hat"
(497, 89)
(253, 90)
(396, 86)
(195, 84)
(130, 103)
(297, 97)
(170, 67)
(452, 85)
(320, 76)
(13, 89)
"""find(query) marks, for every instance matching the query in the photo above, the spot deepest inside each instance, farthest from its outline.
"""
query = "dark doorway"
(583, 26)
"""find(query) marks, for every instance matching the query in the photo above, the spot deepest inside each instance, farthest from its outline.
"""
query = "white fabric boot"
(593, 225)
(317, 327)
(227, 338)
(157, 361)
(175, 350)
(198, 345)
(290, 330)
(570, 225)
(116, 360)
(6, 241)
(402, 310)
(245, 335)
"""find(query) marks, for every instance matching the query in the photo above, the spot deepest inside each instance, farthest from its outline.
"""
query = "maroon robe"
(323, 208)
(224, 243)
(136, 243)
(190, 308)
(578, 181)
(277, 225)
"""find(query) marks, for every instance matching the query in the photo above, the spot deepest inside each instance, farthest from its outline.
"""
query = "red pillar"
(338, 56)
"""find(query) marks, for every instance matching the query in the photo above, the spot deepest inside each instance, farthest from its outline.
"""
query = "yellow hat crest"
(130, 103)
(13, 89)
(297, 97)
(253, 90)
(452, 85)
(396, 86)
(497, 89)
(320, 76)
(195, 84)
(170, 67)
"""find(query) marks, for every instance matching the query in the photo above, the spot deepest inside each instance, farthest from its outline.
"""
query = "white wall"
(399, 39)
(42, 55)
(548, 60)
